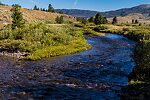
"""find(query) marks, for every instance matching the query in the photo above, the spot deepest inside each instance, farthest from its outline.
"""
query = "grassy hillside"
(29, 16)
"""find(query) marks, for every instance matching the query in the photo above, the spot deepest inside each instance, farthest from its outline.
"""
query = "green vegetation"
(133, 82)
(92, 26)
(91, 19)
(50, 8)
(139, 80)
(59, 20)
(97, 19)
(100, 19)
(17, 18)
(135, 21)
(35, 8)
(41, 40)
(115, 21)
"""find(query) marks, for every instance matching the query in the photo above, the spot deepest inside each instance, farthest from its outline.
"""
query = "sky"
(97, 5)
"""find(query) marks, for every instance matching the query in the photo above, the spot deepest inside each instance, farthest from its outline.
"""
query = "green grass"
(139, 78)
(41, 40)
(133, 82)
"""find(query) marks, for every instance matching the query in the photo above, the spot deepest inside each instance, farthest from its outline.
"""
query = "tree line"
(3, 4)
(97, 19)
(50, 8)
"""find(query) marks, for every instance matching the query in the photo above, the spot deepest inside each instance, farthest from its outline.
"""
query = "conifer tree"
(136, 21)
(35, 8)
(115, 21)
(133, 21)
(50, 8)
(97, 19)
(17, 17)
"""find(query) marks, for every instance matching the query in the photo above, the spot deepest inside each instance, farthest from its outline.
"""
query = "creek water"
(95, 74)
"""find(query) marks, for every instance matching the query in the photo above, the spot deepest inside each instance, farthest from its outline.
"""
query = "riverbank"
(38, 40)
(139, 82)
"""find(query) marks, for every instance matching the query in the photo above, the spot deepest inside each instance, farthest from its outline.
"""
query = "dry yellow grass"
(29, 15)
(128, 18)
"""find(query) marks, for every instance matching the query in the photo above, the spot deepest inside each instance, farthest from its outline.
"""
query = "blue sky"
(99, 5)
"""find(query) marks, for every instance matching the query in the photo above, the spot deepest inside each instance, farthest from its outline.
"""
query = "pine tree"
(97, 19)
(133, 21)
(136, 21)
(43, 9)
(115, 21)
(50, 8)
(17, 18)
(35, 8)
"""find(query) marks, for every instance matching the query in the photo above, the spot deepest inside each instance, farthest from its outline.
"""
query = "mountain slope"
(141, 9)
(78, 12)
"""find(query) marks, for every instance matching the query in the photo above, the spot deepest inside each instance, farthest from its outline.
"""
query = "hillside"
(29, 15)
(141, 13)
(78, 12)
(142, 9)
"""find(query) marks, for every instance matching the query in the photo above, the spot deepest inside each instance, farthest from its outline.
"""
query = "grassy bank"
(139, 81)
(40, 40)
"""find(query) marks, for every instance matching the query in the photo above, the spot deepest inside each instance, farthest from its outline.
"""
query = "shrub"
(100, 28)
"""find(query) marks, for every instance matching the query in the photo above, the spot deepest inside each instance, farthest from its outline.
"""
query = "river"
(95, 74)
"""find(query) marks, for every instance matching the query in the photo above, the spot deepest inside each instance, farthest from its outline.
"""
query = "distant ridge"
(143, 9)
(78, 12)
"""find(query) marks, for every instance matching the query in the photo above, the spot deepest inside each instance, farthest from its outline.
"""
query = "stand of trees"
(98, 19)
(50, 8)
(135, 21)
(59, 20)
(3, 4)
